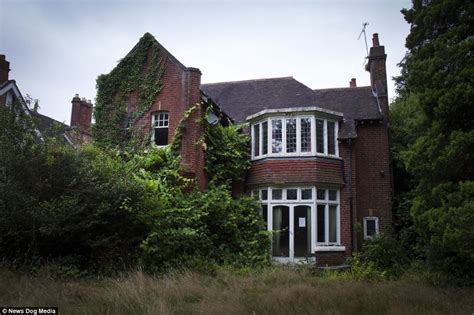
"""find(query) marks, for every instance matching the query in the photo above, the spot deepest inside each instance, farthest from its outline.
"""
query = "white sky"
(58, 48)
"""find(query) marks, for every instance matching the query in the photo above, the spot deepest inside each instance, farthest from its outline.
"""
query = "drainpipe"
(351, 196)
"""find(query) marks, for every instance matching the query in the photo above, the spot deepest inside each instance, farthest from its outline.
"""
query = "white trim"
(367, 237)
(283, 120)
(295, 110)
(270, 203)
(329, 248)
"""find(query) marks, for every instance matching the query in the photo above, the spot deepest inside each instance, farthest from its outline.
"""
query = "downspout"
(351, 197)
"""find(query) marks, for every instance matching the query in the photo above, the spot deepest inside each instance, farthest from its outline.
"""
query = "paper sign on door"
(302, 222)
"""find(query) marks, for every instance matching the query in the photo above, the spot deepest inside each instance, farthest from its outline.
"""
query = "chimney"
(81, 114)
(375, 40)
(4, 69)
(353, 83)
(378, 73)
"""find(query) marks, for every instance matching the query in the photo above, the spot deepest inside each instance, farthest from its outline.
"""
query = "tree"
(436, 143)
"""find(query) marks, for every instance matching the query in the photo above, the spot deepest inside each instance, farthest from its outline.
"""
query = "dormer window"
(296, 135)
(160, 125)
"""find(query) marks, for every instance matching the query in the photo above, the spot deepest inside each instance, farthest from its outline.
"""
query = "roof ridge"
(248, 80)
(343, 88)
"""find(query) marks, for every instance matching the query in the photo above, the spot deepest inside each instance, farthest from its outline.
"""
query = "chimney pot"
(375, 40)
(353, 83)
(77, 95)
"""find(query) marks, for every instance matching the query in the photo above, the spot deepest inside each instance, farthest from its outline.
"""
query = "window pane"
(281, 231)
(256, 140)
(320, 135)
(321, 226)
(161, 136)
(306, 194)
(291, 194)
(332, 194)
(264, 194)
(332, 224)
(370, 223)
(321, 194)
(276, 136)
(331, 138)
(265, 137)
(291, 135)
(276, 194)
(305, 135)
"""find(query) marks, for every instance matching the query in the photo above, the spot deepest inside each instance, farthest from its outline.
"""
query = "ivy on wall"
(141, 72)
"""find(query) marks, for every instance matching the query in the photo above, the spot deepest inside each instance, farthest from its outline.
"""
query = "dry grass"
(274, 291)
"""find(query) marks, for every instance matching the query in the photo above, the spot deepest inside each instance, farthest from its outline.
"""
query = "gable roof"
(240, 99)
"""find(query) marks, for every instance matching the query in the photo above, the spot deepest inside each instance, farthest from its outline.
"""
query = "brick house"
(320, 158)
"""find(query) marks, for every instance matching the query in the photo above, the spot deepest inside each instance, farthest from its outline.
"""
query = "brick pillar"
(4, 69)
(378, 73)
(81, 113)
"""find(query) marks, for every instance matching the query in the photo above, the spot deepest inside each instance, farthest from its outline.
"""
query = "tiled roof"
(356, 103)
(240, 99)
(49, 126)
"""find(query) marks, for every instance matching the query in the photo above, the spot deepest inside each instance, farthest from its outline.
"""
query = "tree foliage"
(104, 210)
(432, 124)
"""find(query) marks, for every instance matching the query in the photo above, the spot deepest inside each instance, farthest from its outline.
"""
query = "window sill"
(329, 248)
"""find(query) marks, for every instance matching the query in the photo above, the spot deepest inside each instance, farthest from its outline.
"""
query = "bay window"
(294, 136)
(302, 220)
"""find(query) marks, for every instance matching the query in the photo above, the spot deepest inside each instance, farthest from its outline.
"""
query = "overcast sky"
(58, 48)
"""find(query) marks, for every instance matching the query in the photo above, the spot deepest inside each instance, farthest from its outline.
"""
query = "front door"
(291, 232)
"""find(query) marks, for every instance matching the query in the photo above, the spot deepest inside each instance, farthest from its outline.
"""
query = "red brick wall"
(298, 170)
(181, 90)
(345, 199)
(373, 177)
(330, 258)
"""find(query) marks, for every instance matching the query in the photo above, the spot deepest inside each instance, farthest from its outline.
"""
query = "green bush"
(385, 253)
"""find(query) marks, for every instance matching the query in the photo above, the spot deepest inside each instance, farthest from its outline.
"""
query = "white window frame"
(155, 124)
(298, 152)
(313, 203)
(368, 237)
(326, 203)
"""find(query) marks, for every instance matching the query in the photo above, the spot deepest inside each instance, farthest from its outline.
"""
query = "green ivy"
(141, 71)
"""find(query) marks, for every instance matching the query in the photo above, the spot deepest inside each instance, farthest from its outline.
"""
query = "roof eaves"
(294, 109)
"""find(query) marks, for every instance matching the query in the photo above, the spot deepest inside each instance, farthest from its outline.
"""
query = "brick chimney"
(353, 83)
(378, 72)
(81, 114)
(4, 69)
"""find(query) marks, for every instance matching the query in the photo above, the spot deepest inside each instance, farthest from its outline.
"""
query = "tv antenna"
(364, 25)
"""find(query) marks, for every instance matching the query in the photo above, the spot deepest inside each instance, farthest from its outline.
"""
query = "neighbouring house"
(320, 158)
(76, 134)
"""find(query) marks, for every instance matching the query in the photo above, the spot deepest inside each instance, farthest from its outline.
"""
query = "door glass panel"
(302, 231)
(281, 231)
(321, 231)
(332, 224)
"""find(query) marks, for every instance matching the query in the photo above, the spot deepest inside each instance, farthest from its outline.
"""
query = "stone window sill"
(330, 249)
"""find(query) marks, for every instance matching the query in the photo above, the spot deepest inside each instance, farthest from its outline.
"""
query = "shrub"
(384, 252)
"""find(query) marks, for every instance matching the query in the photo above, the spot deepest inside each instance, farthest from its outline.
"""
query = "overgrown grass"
(271, 291)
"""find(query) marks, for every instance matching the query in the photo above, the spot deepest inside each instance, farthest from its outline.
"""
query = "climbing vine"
(140, 72)
(227, 151)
